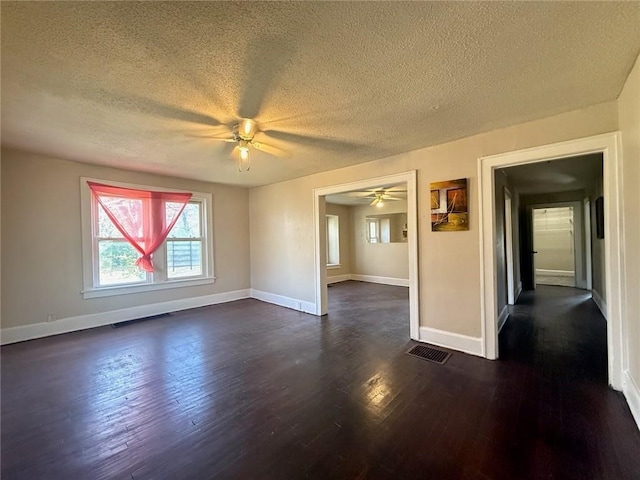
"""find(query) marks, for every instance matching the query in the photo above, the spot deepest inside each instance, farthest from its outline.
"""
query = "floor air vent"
(431, 354)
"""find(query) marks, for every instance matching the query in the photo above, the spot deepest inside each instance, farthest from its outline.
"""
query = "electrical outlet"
(51, 317)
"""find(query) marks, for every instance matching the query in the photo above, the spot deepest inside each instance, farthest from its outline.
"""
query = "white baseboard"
(399, 282)
(556, 273)
(632, 394)
(518, 292)
(454, 341)
(281, 300)
(338, 278)
(92, 320)
(502, 318)
(602, 306)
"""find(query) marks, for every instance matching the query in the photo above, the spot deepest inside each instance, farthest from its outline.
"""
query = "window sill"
(334, 266)
(148, 287)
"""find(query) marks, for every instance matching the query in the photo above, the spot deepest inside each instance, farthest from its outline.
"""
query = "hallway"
(556, 338)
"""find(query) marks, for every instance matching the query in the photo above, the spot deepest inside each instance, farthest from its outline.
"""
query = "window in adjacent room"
(112, 264)
(333, 241)
(373, 230)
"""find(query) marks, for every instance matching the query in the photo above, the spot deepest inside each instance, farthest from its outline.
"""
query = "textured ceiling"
(126, 83)
(564, 175)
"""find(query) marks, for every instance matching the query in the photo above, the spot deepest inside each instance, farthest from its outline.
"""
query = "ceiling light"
(380, 204)
(246, 129)
(243, 155)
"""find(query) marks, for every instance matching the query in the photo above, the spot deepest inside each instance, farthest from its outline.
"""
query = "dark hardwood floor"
(249, 390)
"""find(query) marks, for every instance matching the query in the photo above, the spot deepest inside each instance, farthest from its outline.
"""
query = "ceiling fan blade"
(270, 149)
(375, 202)
(211, 137)
(389, 197)
(313, 141)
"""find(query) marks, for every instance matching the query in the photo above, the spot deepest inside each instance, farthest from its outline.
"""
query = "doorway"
(320, 212)
(555, 242)
(607, 146)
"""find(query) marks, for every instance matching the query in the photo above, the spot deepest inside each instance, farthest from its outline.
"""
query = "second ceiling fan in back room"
(380, 195)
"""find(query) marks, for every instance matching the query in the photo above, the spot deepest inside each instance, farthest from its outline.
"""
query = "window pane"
(188, 225)
(106, 228)
(184, 258)
(117, 261)
(333, 240)
(128, 212)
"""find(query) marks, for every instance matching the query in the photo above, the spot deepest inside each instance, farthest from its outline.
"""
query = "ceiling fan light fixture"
(243, 155)
(246, 129)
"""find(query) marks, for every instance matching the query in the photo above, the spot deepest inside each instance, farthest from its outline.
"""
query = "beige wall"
(379, 259)
(282, 230)
(344, 224)
(41, 252)
(629, 118)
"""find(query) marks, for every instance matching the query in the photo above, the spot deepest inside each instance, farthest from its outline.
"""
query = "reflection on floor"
(561, 281)
(252, 390)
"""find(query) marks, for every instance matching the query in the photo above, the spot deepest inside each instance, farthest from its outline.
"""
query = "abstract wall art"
(449, 209)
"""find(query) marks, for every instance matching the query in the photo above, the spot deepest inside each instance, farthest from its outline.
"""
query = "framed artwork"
(449, 208)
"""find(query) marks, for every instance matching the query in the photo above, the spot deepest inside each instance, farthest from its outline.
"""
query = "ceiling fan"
(379, 195)
(242, 135)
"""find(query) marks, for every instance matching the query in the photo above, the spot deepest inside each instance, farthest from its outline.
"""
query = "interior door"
(527, 251)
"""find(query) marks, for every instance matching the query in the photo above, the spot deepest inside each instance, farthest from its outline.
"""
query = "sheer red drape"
(141, 216)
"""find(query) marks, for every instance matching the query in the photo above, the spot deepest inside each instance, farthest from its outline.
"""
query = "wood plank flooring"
(248, 390)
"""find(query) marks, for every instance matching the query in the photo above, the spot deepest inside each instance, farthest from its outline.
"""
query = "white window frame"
(202, 238)
(376, 222)
(336, 238)
(157, 280)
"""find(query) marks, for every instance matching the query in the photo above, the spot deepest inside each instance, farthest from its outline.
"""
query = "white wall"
(629, 118)
(282, 229)
(553, 239)
(41, 252)
(344, 218)
(389, 260)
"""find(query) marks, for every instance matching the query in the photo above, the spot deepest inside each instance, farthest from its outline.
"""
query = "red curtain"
(140, 216)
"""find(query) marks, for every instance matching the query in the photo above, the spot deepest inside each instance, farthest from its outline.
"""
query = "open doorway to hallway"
(545, 245)
(607, 246)
(542, 236)
(544, 209)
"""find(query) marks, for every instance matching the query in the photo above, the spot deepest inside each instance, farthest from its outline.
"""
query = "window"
(333, 240)
(185, 241)
(373, 230)
(185, 258)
